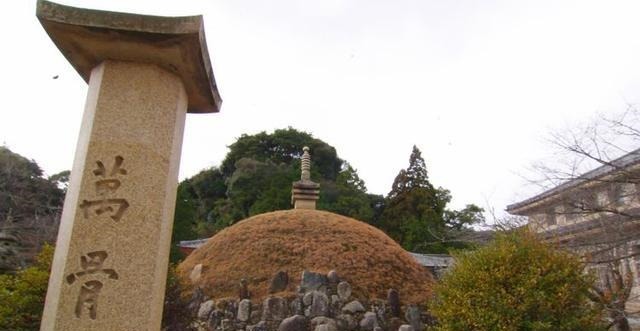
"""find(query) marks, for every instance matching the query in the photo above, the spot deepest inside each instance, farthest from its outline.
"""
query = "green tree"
(256, 177)
(257, 187)
(515, 283)
(283, 146)
(24, 193)
(415, 213)
(204, 189)
(414, 207)
(22, 294)
(61, 179)
(347, 196)
(184, 221)
(30, 207)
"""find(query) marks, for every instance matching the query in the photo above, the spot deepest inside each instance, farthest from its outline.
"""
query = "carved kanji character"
(105, 205)
(88, 299)
(91, 263)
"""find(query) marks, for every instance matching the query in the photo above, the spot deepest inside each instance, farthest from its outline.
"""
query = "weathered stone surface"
(307, 299)
(197, 298)
(320, 312)
(344, 291)
(244, 310)
(176, 44)
(256, 314)
(260, 326)
(119, 202)
(325, 327)
(196, 273)
(318, 320)
(205, 309)
(226, 325)
(379, 308)
(293, 323)
(313, 281)
(243, 290)
(335, 306)
(406, 327)
(346, 322)
(231, 309)
(215, 319)
(274, 309)
(319, 304)
(395, 323)
(322, 323)
(305, 192)
(353, 307)
(369, 321)
(296, 307)
(412, 315)
(279, 282)
(332, 277)
(393, 299)
(144, 74)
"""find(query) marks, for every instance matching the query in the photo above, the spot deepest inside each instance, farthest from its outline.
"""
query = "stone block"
(313, 281)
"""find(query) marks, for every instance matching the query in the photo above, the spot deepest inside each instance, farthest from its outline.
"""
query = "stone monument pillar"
(305, 192)
(144, 73)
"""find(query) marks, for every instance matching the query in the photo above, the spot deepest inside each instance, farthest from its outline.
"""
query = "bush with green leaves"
(22, 294)
(515, 283)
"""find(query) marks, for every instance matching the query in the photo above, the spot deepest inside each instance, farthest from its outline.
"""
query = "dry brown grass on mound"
(296, 240)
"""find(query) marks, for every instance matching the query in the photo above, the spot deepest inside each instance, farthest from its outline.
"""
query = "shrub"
(177, 313)
(515, 283)
(22, 294)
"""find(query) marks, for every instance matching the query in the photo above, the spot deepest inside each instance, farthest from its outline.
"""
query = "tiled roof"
(433, 260)
(192, 243)
(606, 169)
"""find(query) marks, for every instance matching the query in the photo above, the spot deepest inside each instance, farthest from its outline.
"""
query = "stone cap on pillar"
(87, 37)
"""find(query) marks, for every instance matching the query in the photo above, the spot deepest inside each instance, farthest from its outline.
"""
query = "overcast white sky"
(476, 85)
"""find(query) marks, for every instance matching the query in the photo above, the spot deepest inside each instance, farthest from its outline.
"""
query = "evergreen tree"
(414, 208)
(414, 177)
(415, 213)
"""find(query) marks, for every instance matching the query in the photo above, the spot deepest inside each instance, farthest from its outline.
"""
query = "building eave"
(623, 162)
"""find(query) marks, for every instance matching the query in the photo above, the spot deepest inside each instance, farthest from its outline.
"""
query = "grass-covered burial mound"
(257, 248)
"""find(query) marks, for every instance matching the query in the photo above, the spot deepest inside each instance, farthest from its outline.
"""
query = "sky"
(476, 85)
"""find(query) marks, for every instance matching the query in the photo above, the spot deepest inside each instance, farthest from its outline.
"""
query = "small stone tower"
(305, 192)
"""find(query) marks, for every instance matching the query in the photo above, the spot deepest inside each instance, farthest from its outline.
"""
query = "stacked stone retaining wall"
(323, 303)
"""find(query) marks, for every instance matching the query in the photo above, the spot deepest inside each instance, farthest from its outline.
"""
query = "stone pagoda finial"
(305, 192)
(306, 164)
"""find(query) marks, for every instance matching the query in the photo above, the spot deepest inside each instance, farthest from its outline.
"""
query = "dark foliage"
(24, 192)
(256, 177)
(415, 213)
